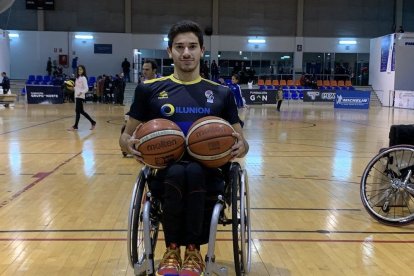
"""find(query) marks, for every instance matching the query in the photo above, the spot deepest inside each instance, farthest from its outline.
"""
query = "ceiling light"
(347, 42)
(257, 41)
(84, 36)
(13, 35)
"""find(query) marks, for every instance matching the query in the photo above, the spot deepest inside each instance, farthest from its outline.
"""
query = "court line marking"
(219, 239)
(317, 231)
(44, 123)
(40, 176)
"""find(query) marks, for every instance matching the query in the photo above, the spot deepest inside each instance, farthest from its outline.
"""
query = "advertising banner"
(319, 95)
(256, 96)
(44, 94)
(404, 99)
(354, 99)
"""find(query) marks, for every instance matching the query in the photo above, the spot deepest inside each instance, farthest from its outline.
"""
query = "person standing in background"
(149, 69)
(235, 88)
(279, 98)
(74, 64)
(126, 68)
(49, 66)
(5, 84)
(81, 87)
(214, 71)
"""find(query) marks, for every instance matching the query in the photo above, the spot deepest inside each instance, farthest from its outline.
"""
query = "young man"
(183, 98)
(149, 69)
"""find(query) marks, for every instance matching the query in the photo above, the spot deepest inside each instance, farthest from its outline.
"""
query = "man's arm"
(241, 148)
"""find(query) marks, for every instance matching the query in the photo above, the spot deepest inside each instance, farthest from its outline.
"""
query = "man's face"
(186, 52)
(147, 71)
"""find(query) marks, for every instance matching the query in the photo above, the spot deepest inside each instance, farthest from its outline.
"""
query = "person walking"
(80, 89)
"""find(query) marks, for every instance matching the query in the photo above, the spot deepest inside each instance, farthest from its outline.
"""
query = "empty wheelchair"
(387, 186)
(232, 207)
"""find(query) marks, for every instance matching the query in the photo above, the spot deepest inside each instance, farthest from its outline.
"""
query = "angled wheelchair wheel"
(240, 220)
(136, 237)
(387, 186)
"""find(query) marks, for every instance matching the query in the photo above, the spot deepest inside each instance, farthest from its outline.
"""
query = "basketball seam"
(160, 133)
(210, 157)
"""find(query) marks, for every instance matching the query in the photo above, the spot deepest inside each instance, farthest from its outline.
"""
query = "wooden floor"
(64, 196)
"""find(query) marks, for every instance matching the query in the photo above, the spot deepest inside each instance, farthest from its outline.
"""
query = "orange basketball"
(209, 140)
(161, 142)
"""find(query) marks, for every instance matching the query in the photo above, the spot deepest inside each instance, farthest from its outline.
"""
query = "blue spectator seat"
(286, 95)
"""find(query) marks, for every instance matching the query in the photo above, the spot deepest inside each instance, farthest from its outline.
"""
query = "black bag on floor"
(401, 134)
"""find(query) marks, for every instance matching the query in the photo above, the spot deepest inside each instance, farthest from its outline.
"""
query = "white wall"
(382, 82)
(404, 62)
(29, 52)
(385, 83)
(4, 52)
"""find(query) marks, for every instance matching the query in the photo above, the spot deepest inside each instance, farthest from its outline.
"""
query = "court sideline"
(64, 196)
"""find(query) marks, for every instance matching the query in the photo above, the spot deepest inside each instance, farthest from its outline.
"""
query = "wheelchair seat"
(146, 210)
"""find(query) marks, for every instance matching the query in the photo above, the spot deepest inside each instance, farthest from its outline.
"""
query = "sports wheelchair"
(387, 186)
(145, 214)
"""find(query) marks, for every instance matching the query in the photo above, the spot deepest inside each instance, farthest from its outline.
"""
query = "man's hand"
(239, 149)
(132, 141)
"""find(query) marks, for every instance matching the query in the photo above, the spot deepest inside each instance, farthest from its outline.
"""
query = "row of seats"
(290, 84)
(262, 82)
(334, 83)
(50, 80)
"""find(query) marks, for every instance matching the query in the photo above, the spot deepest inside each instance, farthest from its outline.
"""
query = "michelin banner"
(352, 99)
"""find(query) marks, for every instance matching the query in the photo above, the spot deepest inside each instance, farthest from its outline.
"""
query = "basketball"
(70, 83)
(209, 140)
(161, 142)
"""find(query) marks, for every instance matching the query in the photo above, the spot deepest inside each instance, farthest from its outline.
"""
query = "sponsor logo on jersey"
(169, 110)
(210, 96)
(163, 95)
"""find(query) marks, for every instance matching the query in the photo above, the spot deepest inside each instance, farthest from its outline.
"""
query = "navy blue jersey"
(183, 102)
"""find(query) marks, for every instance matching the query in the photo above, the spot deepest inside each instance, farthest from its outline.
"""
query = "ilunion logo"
(167, 110)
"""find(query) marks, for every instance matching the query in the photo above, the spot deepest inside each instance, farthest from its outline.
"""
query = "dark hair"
(236, 76)
(185, 26)
(84, 71)
(153, 63)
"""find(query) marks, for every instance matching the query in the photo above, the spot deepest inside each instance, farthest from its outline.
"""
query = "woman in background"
(80, 89)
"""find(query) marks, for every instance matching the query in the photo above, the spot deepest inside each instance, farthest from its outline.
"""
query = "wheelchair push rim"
(241, 222)
(387, 186)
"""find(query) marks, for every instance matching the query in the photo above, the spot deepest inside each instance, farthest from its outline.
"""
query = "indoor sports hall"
(65, 196)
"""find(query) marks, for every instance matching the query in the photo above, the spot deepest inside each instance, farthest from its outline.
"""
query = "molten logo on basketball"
(215, 145)
(212, 130)
(162, 144)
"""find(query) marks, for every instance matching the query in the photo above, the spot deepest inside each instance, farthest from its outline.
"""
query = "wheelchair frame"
(387, 186)
(144, 221)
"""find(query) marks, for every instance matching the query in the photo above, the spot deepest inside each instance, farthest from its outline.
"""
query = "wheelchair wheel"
(387, 186)
(240, 220)
(136, 244)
